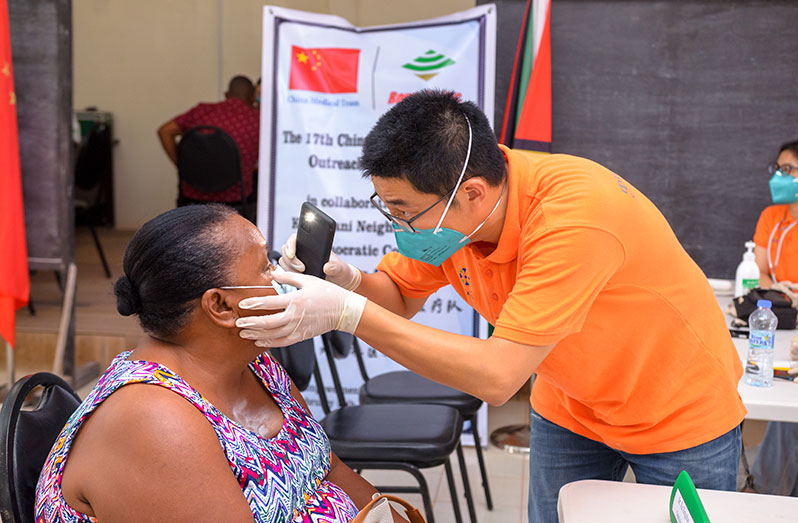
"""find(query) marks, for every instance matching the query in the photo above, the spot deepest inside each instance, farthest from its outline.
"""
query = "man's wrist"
(351, 313)
(357, 277)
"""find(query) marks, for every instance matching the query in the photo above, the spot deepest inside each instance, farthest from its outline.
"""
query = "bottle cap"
(764, 304)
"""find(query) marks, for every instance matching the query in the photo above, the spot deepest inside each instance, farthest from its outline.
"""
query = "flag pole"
(10, 364)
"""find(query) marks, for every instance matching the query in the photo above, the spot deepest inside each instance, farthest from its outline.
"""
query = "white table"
(597, 501)
(776, 403)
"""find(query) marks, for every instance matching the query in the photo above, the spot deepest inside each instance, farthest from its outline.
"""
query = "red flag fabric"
(14, 280)
(324, 69)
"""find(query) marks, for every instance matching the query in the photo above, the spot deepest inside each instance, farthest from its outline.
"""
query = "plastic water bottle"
(762, 323)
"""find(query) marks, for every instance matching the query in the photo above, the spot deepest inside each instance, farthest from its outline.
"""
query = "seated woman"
(776, 236)
(775, 470)
(195, 424)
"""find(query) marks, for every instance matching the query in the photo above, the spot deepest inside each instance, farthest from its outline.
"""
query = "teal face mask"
(434, 246)
(783, 188)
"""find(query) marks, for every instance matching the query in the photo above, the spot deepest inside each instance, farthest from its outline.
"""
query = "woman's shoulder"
(272, 373)
(774, 212)
(148, 439)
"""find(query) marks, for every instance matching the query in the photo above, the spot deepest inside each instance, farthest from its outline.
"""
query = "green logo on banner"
(429, 64)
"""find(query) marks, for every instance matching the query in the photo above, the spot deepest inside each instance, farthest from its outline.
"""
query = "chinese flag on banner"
(324, 69)
(14, 281)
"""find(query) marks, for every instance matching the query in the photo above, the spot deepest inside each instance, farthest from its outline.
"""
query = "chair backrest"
(337, 344)
(93, 163)
(208, 160)
(26, 437)
(298, 360)
(361, 363)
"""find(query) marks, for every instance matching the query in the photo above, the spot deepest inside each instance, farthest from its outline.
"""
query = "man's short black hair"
(790, 146)
(424, 138)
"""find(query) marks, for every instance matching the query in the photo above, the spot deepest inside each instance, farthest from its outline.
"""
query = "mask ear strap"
(460, 179)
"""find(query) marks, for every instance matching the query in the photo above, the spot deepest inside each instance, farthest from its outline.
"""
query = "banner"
(324, 85)
(14, 280)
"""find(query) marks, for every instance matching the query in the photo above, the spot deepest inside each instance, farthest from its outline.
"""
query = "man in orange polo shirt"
(583, 279)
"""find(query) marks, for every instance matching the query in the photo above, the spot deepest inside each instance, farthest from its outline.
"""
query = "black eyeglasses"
(785, 168)
(403, 224)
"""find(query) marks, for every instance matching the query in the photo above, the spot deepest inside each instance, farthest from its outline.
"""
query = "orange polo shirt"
(643, 360)
(775, 220)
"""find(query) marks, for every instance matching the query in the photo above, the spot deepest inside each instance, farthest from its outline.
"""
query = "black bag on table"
(782, 306)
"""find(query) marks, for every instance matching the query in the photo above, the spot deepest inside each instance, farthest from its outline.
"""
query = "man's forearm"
(492, 370)
(380, 288)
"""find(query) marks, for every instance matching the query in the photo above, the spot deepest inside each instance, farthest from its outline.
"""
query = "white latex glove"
(318, 306)
(338, 271)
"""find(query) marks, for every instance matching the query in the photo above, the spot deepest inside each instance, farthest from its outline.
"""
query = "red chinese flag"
(324, 69)
(14, 281)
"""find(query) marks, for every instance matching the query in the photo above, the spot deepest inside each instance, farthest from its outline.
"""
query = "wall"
(689, 101)
(149, 60)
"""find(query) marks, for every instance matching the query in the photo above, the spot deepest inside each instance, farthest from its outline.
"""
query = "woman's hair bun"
(128, 301)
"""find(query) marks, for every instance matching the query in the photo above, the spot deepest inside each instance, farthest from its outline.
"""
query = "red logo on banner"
(324, 69)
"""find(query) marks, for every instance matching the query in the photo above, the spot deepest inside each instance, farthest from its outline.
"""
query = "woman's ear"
(219, 307)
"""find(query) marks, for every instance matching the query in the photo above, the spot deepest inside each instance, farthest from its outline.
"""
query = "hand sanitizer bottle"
(747, 276)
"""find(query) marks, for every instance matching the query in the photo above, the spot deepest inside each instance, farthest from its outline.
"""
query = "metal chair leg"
(453, 491)
(748, 483)
(422, 488)
(425, 497)
(100, 250)
(481, 460)
(466, 484)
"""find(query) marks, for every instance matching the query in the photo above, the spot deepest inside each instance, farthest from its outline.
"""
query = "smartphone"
(314, 239)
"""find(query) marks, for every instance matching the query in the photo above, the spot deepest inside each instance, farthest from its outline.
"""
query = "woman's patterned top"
(282, 478)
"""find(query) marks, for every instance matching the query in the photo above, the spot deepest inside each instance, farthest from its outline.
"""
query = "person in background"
(775, 470)
(237, 117)
(256, 103)
(196, 423)
(776, 236)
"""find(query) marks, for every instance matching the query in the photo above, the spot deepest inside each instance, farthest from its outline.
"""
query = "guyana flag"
(527, 113)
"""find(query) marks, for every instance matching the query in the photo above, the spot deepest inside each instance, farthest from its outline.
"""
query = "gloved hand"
(318, 306)
(338, 271)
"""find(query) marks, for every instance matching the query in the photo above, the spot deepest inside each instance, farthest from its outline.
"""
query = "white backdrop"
(311, 136)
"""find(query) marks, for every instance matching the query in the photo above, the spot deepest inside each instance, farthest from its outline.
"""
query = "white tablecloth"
(596, 501)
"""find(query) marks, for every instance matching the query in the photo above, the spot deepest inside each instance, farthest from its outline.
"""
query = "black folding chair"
(93, 168)
(208, 160)
(382, 437)
(404, 386)
(26, 437)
